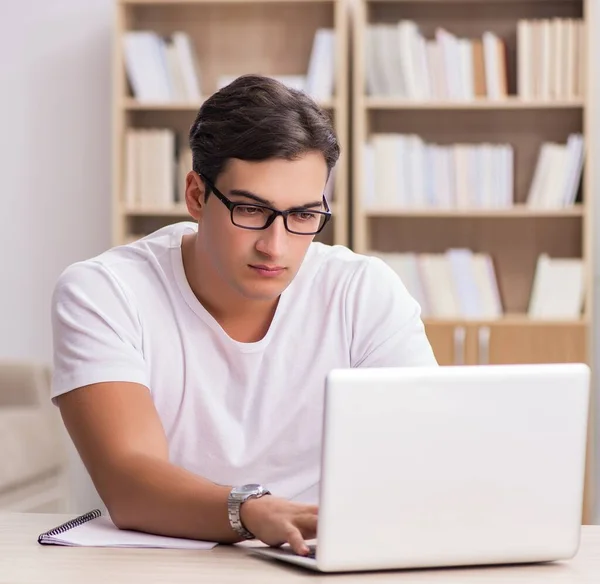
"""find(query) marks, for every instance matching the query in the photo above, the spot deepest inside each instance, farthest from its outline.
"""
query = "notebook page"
(102, 532)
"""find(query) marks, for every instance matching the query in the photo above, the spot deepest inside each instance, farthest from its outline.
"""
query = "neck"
(243, 319)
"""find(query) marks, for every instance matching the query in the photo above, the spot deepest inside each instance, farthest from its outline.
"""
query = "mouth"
(267, 271)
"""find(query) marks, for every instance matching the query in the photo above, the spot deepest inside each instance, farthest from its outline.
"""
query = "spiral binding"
(44, 537)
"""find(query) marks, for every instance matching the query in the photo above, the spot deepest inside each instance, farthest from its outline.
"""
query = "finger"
(312, 509)
(307, 524)
(296, 541)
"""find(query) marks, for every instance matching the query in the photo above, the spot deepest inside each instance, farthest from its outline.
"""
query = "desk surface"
(22, 560)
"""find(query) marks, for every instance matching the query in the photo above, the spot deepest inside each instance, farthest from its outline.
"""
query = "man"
(191, 364)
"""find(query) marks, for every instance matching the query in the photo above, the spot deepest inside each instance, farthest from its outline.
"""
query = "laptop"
(449, 466)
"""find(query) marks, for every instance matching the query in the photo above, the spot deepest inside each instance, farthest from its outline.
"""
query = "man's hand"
(277, 521)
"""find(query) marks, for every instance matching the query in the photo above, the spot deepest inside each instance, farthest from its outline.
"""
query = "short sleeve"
(387, 330)
(96, 330)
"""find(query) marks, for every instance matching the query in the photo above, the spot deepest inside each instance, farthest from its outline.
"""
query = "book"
(96, 530)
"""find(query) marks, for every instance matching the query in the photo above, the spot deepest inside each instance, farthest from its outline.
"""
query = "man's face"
(260, 264)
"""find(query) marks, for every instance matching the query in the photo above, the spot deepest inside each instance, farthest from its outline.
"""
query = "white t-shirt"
(233, 412)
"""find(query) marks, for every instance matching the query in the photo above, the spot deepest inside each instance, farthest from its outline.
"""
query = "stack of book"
(457, 284)
(557, 174)
(161, 69)
(155, 169)
(551, 58)
(404, 172)
(166, 69)
(401, 62)
(558, 289)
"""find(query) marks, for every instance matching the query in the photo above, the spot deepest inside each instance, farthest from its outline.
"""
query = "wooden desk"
(22, 560)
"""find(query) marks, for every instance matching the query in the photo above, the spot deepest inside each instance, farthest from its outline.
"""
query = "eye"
(305, 216)
(249, 210)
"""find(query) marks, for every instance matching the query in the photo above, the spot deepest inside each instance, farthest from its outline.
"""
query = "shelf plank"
(510, 103)
(176, 2)
(505, 320)
(131, 104)
(509, 213)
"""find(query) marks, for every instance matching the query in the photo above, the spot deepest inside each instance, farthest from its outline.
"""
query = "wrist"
(237, 507)
(250, 511)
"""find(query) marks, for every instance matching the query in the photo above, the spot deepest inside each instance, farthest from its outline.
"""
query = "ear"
(194, 195)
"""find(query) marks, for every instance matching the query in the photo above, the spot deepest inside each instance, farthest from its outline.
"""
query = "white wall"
(55, 131)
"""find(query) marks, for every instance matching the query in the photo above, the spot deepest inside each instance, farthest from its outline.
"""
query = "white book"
(553, 195)
(421, 64)
(321, 68)
(574, 167)
(131, 187)
(487, 284)
(407, 45)
(402, 172)
(418, 199)
(179, 92)
(382, 59)
(546, 60)
(524, 50)
(466, 69)
(558, 288)
(386, 178)
(435, 68)
(535, 196)
(465, 283)
(391, 61)
(437, 279)
(189, 66)
(491, 59)
(449, 44)
(145, 66)
(375, 82)
(509, 172)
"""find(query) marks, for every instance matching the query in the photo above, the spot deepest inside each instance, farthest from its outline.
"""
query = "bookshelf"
(453, 104)
(226, 38)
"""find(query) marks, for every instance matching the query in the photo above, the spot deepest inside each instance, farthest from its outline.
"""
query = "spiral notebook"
(96, 530)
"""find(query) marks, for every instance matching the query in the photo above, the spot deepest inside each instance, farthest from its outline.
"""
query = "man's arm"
(120, 439)
(101, 387)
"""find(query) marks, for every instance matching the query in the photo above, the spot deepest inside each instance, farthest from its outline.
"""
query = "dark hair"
(257, 118)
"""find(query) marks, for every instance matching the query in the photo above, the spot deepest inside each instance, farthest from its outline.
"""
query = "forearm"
(152, 495)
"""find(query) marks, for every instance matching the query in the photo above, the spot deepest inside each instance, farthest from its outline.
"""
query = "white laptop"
(450, 466)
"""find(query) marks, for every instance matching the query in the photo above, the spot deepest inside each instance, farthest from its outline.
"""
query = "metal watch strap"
(237, 497)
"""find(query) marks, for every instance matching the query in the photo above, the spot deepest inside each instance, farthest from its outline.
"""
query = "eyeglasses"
(299, 220)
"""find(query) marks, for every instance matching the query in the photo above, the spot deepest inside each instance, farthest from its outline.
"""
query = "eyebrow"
(249, 195)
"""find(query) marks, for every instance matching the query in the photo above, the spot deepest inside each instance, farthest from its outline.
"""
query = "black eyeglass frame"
(231, 205)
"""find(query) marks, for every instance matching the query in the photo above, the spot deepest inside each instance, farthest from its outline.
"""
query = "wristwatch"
(237, 496)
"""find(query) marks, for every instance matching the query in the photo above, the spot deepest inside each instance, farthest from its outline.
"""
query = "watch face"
(247, 489)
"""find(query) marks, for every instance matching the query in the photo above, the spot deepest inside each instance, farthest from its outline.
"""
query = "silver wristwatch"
(237, 496)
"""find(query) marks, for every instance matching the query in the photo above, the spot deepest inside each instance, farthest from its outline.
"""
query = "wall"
(54, 156)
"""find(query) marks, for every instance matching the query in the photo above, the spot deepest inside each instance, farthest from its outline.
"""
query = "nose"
(272, 240)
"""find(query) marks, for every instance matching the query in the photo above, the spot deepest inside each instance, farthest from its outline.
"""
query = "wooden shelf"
(450, 2)
(131, 104)
(518, 211)
(506, 320)
(511, 103)
(187, 2)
